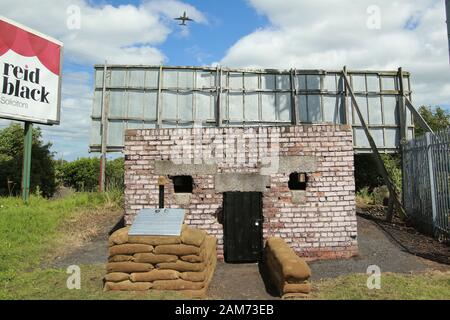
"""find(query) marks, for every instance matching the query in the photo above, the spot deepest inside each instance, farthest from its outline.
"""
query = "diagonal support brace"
(417, 116)
(390, 185)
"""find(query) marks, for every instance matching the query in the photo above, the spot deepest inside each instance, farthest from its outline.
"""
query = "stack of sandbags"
(289, 272)
(138, 263)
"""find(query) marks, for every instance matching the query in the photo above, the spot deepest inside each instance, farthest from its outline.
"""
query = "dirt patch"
(86, 240)
(407, 237)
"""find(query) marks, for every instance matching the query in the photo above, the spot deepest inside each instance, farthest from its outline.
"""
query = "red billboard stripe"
(29, 45)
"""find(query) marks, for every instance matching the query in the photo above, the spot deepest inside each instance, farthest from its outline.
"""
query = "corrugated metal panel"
(188, 95)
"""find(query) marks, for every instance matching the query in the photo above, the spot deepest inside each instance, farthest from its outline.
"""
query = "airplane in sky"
(183, 19)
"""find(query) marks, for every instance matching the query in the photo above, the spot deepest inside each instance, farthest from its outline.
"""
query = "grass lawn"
(433, 285)
(50, 284)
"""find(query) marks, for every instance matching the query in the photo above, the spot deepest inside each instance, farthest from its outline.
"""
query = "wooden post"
(158, 98)
(104, 125)
(218, 111)
(294, 113)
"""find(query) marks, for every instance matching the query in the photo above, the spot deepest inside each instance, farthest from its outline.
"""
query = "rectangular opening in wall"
(298, 181)
(182, 184)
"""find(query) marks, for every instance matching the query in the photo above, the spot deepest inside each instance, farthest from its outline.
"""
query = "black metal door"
(242, 226)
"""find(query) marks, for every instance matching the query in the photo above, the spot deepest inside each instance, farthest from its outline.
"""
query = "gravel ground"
(376, 247)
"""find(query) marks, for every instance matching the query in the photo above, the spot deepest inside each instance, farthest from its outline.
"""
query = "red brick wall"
(324, 226)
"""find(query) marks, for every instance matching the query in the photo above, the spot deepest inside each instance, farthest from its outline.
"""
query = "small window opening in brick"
(298, 181)
(183, 184)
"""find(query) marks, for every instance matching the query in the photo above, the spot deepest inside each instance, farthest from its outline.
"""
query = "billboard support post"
(26, 170)
(104, 125)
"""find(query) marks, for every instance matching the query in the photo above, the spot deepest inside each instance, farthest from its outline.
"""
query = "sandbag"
(124, 249)
(128, 267)
(194, 258)
(128, 286)
(121, 258)
(154, 275)
(119, 237)
(297, 288)
(293, 267)
(177, 285)
(154, 240)
(295, 296)
(207, 249)
(177, 249)
(199, 276)
(182, 266)
(154, 258)
(298, 270)
(209, 245)
(117, 277)
(194, 276)
(275, 241)
(275, 274)
(194, 237)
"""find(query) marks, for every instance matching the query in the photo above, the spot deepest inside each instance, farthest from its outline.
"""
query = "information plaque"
(157, 222)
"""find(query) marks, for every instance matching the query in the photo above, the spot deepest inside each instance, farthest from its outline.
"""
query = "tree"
(438, 119)
(83, 174)
(11, 159)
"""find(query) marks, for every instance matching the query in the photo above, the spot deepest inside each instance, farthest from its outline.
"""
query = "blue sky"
(228, 22)
(302, 34)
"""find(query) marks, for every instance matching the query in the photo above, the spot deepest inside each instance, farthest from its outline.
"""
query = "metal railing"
(427, 183)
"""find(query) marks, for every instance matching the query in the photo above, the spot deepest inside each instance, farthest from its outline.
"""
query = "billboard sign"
(30, 74)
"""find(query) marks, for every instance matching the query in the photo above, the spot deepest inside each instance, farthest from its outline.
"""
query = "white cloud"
(124, 34)
(328, 35)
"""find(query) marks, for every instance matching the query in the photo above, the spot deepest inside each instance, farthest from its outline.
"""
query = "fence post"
(431, 173)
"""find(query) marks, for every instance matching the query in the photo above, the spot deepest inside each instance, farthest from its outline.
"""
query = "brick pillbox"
(317, 223)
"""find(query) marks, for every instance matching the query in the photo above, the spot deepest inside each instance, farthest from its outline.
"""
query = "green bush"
(380, 195)
(11, 159)
(115, 171)
(367, 175)
(83, 174)
(394, 168)
(363, 195)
